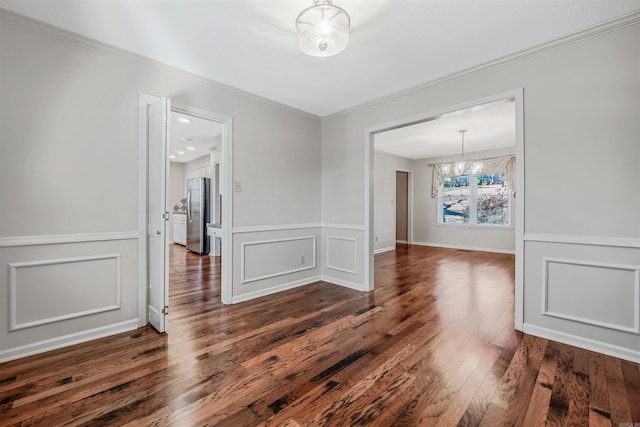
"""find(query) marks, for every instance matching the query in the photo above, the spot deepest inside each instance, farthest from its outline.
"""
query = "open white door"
(158, 254)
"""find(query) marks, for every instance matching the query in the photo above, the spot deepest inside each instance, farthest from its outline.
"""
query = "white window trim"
(473, 209)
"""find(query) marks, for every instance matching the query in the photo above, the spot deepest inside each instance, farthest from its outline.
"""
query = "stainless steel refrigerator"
(198, 215)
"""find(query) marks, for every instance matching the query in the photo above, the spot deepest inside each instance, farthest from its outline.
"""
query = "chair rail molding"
(66, 238)
(622, 242)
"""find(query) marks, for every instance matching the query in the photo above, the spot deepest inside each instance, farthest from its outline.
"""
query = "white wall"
(385, 193)
(581, 150)
(70, 174)
(198, 167)
(426, 229)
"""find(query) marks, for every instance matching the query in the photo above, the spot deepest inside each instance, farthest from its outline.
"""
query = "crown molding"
(87, 42)
(26, 22)
(580, 35)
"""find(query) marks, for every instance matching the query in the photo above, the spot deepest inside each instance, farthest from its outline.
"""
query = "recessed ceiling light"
(172, 156)
(185, 138)
(183, 120)
(180, 152)
(191, 148)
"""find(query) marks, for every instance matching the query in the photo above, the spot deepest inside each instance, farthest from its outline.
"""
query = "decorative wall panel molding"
(594, 293)
(39, 290)
(264, 259)
(342, 254)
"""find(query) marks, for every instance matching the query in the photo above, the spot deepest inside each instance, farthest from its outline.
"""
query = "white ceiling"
(395, 44)
(193, 139)
(488, 126)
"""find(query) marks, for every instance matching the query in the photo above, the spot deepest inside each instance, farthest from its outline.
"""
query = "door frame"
(409, 173)
(226, 179)
(516, 95)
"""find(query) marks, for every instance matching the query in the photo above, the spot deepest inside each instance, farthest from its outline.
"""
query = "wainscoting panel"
(274, 259)
(55, 291)
(35, 285)
(277, 257)
(343, 249)
(599, 294)
(585, 292)
(342, 254)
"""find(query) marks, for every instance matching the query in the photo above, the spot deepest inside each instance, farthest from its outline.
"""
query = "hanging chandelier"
(323, 29)
(460, 166)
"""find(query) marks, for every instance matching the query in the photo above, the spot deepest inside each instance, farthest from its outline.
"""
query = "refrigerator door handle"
(189, 205)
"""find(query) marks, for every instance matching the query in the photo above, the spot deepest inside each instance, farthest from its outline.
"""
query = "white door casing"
(516, 95)
(158, 254)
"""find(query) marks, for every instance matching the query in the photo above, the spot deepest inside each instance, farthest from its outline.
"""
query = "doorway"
(402, 207)
(515, 97)
(194, 203)
(154, 184)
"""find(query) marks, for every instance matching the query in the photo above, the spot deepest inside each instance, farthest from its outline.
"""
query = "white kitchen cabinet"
(180, 229)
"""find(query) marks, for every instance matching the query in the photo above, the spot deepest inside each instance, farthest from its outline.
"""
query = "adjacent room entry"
(402, 206)
(162, 200)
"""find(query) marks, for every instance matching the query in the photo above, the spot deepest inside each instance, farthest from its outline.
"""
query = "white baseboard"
(274, 289)
(387, 249)
(586, 343)
(344, 283)
(466, 248)
(67, 340)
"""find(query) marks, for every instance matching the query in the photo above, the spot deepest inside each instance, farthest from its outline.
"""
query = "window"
(481, 200)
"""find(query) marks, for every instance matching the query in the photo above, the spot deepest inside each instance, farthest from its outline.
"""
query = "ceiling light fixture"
(183, 120)
(180, 152)
(191, 148)
(459, 166)
(323, 29)
(185, 138)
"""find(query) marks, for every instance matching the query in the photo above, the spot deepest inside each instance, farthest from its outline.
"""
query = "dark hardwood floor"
(433, 345)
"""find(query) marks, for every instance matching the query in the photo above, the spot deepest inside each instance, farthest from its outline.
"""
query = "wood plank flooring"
(433, 345)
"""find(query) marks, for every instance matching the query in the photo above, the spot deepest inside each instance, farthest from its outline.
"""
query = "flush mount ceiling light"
(323, 29)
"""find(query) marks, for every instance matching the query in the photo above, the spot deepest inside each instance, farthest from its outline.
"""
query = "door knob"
(158, 232)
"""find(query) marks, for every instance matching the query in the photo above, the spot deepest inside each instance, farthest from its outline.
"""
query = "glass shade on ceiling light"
(476, 167)
(323, 29)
